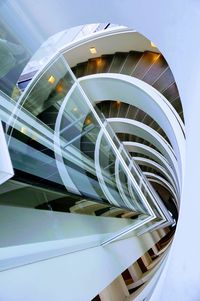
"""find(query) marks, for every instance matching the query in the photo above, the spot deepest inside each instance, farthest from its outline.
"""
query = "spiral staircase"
(149, 67)
(131, 170)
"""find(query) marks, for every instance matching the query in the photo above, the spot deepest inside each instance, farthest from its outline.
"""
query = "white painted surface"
(79, 52)
(20, 226)
(78, 276)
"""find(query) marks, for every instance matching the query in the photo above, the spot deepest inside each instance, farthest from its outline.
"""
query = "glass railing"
(58, 139)
(75, 128)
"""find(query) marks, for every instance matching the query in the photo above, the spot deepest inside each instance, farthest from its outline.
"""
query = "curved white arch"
(155, 166)
(119, 184)
(125, 125)
(99, 174)
(156, 178)
(100, 87)
(152, 154)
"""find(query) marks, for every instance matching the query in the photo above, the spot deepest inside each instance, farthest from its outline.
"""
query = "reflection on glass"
(59, 141)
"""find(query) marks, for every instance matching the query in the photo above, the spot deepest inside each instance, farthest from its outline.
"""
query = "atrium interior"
(93, 159)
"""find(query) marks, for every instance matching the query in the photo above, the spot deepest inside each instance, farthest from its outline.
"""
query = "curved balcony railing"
(54, 150)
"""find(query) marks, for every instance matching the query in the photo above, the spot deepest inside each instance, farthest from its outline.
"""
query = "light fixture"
(153, 45)
(23, 130)
(59, 88)
(93, 50)
(51, 79)
(75, 109)
(88, 121)
(34, 137)
(99, 61)
(118, 102)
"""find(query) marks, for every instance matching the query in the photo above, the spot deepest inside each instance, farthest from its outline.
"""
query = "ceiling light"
(59, 88)
(153, 45)
(99, 61)
(88, 121)
(23, 130)
(51, 79)
(93, 50)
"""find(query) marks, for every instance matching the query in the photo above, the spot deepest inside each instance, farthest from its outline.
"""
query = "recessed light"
(51, 79)
(153, 45)
(93, 50)
(88, 121)
(23, 130)
(59, 88)
(99, 61)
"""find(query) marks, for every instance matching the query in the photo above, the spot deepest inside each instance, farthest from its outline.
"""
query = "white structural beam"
(157, 167)
(156, 178)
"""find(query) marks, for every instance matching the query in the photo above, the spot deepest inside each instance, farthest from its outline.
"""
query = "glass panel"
(67, 156)
(61, 154)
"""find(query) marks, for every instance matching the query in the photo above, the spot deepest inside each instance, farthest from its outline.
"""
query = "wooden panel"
(144, 64)
(123, 110)
(114, 109)
(131, 112)
(164, 81)
(121, 136)
(104, 63)
(156, 70)
(154, 125)
(131, 61)
(92, 66)
(80, 69)
(171, 92)
(117, 62)
(127, 277)
(142, 265)
(105, 108)
(177, 105)
(135, 138)
(147, 120)
(126, 137)
(140, 115)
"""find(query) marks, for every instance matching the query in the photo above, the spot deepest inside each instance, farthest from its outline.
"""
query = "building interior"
(97, 166)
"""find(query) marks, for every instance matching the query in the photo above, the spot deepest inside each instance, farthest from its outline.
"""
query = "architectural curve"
(176, 64)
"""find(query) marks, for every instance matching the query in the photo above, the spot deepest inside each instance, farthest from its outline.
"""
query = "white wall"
(78, 276)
